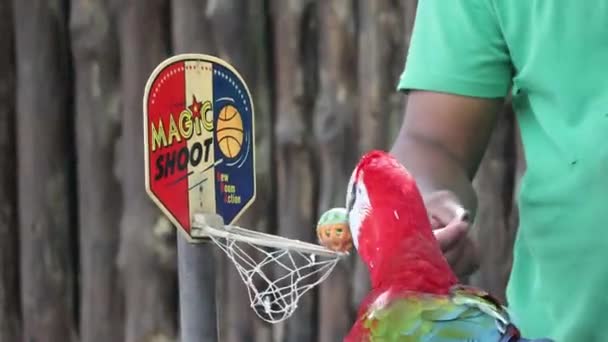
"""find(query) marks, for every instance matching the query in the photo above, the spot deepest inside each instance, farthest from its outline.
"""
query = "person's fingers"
(439, 212)
(444, 208)
(436, 222)
(449, 235)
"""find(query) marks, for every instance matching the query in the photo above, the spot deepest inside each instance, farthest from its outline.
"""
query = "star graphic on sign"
(195, 107)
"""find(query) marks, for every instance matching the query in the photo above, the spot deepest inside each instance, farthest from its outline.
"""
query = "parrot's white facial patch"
(357, 204)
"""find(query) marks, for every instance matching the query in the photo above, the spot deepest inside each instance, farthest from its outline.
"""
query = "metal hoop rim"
(203, 224)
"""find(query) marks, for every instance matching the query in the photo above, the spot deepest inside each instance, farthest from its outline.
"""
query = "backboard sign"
(199, 140)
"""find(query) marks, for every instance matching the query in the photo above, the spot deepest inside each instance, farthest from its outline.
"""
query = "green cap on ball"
(334, 216)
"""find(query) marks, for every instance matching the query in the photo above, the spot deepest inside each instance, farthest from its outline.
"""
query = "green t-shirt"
(553, 56)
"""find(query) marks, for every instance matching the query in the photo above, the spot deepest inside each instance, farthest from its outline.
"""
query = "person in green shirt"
(551, 56)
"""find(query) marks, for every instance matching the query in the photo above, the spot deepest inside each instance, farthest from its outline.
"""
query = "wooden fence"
(86, 256)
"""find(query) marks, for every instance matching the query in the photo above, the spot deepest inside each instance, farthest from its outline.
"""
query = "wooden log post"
(44, 159)
(197, 269)
(97, 94)
(384, 30)
(261, 215)
(295, 82)
(238, 318)
(242, 43)
(190, 27)
(333, 131)
(147, 254)
(10, 308)
(380, 62)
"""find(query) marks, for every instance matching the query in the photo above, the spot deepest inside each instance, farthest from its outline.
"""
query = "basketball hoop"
(199, 145)
(276, 270)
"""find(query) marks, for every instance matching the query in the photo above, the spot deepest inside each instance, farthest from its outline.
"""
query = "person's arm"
(457, 72)
(442, 141)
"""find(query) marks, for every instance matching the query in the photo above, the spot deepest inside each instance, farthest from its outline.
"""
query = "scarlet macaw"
(415, 295)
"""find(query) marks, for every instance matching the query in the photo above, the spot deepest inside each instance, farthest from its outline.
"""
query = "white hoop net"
(277, 271)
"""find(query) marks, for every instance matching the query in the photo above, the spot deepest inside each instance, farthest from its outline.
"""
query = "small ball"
(333, 230)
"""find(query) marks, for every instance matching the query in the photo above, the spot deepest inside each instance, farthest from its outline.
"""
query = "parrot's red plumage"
(415, 295)
(395, 239)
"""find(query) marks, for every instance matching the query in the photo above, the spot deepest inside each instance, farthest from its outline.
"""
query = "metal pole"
(196, 275)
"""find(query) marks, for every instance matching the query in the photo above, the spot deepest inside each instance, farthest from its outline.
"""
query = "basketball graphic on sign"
(229, 131)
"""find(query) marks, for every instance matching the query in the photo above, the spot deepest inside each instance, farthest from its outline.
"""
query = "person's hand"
(450, 223)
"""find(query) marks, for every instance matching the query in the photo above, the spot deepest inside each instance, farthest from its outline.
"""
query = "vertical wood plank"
(190, 27)
(333, 131)
(380, 63)
(191, 33)
(97, 93)
(147, 251)
(295, 66)
(263, 214)
(10, 307)
(242, 44)
(44, 162)
(384, 30)
(230, 39)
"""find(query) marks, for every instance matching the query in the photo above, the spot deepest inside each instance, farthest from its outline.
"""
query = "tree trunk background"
(147, 252)
(86, 256)
(45, 167)
(97, 110)
(10, 309)
(295, 37)
(332, 129)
